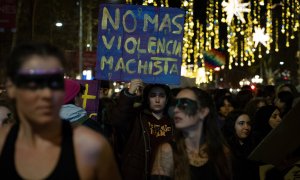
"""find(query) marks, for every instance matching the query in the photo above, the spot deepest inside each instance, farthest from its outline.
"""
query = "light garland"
(248, 39)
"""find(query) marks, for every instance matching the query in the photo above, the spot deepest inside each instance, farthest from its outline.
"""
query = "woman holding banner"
(142, 128)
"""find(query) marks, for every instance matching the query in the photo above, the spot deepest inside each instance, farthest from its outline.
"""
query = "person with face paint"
(198, 150)
(237, 131)
(143, 128)
(40, 145)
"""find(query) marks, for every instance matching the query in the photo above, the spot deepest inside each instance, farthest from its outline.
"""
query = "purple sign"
(139, 42)
(90, 99)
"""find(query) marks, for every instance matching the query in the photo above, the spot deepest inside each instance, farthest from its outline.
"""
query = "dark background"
(36, 21)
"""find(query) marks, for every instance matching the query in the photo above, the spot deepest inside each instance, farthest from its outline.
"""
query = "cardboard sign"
(90, 99)
(281, 146)
(139, 42)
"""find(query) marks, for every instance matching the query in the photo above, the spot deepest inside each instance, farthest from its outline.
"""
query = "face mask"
(188, 106)
(36, 79)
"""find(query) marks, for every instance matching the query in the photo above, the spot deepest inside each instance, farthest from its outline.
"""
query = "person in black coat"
(237, 131)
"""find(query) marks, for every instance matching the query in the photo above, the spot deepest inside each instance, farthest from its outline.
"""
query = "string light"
(280, 21)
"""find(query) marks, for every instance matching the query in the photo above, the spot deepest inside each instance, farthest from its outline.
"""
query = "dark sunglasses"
(188, 106)
(53, 81)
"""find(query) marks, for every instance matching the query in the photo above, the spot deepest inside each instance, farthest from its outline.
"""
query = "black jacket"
(133, 137)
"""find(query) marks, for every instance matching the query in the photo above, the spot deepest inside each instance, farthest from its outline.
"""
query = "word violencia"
(154, 45)
(140, 41)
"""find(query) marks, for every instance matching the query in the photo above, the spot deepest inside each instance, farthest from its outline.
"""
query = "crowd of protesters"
(147, 131)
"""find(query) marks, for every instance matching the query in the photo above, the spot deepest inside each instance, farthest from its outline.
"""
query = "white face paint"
(184, 121)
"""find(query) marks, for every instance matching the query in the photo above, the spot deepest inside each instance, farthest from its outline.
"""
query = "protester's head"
(225, 105)
(269, 94)
(284, 102)
(237, 125)
(156, 97)
(73, 90)
(218, 93)
(242, 98)
(275, 119)
(266, 119)
(191, 110)
(287, 87)
(253, 105)
(192, 106)
(35, 81)
(242, 125)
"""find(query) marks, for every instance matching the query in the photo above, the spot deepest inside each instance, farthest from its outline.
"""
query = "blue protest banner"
(139, 42)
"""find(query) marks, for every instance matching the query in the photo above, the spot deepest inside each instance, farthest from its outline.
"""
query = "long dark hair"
(212, 137)
(287, 98)
(230, 134)
(261, 126)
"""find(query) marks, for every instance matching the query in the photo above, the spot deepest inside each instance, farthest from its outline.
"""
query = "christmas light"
(259, 36)
(235, 7)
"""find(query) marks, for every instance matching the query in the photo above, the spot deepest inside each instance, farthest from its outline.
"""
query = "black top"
(65, 168)
(205, 172)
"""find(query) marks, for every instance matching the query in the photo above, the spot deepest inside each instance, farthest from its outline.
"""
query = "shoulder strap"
(7, 158)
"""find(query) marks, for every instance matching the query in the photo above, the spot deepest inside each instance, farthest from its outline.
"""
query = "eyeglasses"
(188, 106)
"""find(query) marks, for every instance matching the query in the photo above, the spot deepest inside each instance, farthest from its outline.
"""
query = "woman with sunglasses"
(40, 145)
(199, 151)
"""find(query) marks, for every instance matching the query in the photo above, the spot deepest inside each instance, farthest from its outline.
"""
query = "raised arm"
(124, 111)
(135, 87)
(163, 166)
